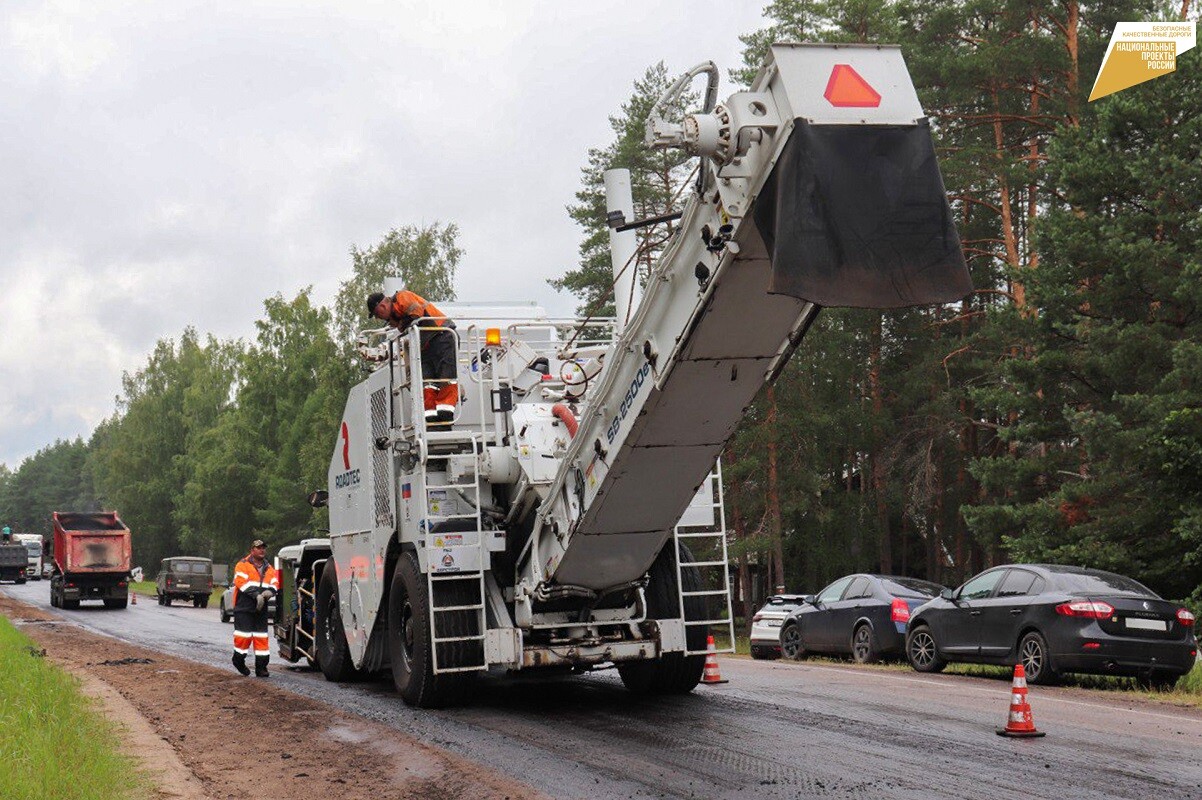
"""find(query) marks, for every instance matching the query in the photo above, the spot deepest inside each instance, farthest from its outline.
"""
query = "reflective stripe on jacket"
(249, 580)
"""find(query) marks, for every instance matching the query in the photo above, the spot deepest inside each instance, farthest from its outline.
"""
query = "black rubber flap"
(856, 215)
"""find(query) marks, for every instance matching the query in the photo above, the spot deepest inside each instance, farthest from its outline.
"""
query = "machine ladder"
(457, 637)
(713, 570)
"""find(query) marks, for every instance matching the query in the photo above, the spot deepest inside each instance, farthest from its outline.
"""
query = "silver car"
(765, 625)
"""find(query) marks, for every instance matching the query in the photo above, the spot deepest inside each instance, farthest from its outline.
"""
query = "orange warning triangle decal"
(846, 89)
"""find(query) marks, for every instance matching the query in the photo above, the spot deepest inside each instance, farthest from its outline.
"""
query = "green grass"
(147, 589)
(1188, 690)
(54, 743)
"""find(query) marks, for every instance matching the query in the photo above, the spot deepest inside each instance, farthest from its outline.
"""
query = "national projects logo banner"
(1141, 51)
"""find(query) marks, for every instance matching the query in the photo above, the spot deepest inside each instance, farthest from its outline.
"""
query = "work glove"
(261, 601)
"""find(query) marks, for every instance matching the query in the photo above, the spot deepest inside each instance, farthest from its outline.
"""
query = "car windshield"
(1101, 583)
(910, 587)
(191, 566)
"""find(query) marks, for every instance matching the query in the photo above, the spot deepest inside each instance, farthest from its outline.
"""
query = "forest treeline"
(216, 442)
(1055, 414)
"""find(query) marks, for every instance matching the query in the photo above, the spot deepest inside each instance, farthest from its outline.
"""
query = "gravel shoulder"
(215, 724)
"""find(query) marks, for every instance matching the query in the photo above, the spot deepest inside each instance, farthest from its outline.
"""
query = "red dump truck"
(91, 559)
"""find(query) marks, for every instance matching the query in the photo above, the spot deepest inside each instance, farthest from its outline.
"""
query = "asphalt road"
(777, 730)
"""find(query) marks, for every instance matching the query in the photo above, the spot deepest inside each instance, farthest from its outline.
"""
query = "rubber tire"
(204, 601)
(413, 674)
(70, 605)
(936, 663)
(800, 653)
(110, 602)
(870, 654)
(1046, 674)
(333, 653)
(673, 673)
(166, 599)
(20, 581)
(226, 616)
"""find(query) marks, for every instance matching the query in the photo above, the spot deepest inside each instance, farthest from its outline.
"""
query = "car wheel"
(225, 615)
(166, 599)
(1036, 660)
(863, 649)
(759, 653)
(790, 643)
(922, 652)
(204, 601)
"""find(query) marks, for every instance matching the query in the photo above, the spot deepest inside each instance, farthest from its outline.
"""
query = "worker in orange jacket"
(439, 372)
(256, 581)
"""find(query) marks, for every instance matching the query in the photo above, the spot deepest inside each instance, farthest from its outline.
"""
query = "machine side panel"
(362, 508)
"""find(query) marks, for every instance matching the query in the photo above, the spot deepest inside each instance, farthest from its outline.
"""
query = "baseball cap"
(258, 543)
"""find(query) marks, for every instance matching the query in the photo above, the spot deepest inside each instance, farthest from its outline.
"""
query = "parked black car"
(863, 616)
(1056, 619)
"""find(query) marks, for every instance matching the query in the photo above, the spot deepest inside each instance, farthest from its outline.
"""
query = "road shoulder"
(218, 724)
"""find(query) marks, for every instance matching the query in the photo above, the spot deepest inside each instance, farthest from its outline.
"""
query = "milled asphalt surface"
(777, 730)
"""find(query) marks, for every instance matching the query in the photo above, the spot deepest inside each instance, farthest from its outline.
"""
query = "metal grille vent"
(379, 459)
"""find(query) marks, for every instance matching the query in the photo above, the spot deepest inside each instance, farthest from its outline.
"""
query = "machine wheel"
(69, 604)
(20, 581)
(332, 649)
(166, 599)
(791, 646)
(226, 616)
(112, 602)
(674, 673)
(410, 645)
(1037, 659)
(204, 601)
(922, 652)
(863, 648)
(53, 595)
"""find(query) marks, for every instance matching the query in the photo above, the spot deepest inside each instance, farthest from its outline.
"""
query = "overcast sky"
(170, 163)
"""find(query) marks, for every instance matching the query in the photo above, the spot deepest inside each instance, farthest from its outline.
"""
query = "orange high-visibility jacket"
(249, 580)
(408, 307)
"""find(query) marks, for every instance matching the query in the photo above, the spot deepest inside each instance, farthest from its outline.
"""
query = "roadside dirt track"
(220, 723)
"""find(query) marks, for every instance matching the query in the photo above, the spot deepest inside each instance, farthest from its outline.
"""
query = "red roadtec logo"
(349, 478)
(346, 447)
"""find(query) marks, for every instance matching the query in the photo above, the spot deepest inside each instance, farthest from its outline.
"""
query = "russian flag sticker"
(406, 492)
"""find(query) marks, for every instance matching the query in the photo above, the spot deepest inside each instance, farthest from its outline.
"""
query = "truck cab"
(185, 578)
(34, 548)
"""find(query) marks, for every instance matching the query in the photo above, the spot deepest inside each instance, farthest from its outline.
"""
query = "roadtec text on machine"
(571, 518)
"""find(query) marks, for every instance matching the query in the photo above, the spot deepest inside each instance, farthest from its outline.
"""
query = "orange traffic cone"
(1020, 723)
(711, 674)
(133, 598)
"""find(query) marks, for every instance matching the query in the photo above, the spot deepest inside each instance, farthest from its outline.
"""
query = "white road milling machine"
(546, 530)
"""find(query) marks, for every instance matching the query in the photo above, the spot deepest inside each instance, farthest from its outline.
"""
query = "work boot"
(240, 663)
(261, 666)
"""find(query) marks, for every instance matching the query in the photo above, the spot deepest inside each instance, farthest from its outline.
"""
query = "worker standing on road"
(255, 581)
(439, 372)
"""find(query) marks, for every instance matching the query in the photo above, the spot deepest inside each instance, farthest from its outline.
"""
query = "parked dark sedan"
(863, 616)
(1056, 619)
